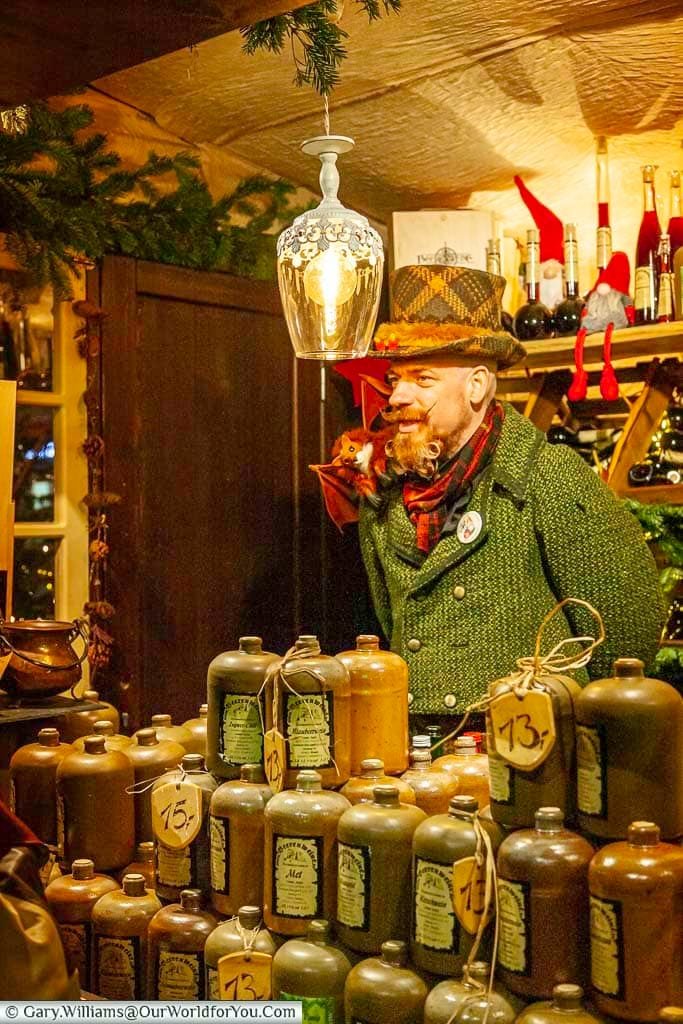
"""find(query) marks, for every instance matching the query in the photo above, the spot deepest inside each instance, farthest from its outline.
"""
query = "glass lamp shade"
(329, 267)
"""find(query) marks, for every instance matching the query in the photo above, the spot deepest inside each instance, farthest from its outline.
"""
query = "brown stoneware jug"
(233, 936)
(636, 925)
(542, 906)
(470, 769)
(112, 740)
(150, 758)
(566, 1007)
(385, 990)
(433, 787)
(42, 660)
(445, 999)
(33, 783)
(301, 855)
(516, 795)
(629, 738)
(71, 900)
(167, 731)
(120, 922)
(312, 971)
(374, 870)
(94, 806)
(237, 702)
(439, 942)
(360, 788)
(177, 935)
(314, 716)
(484, 1007)
(81, 723)
(198, 728)
(144, 864)
(379, 705)
(236, 829)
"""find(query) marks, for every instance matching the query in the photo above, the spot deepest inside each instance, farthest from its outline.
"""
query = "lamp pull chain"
(326, 115)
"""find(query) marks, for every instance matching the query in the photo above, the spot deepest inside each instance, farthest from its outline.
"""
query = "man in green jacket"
(481, 526)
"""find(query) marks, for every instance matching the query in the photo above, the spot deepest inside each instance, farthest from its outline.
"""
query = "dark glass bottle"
(533, 320)
(494, 266)
(604, 238)
(647, 246)
(567, 316)
(675, 226)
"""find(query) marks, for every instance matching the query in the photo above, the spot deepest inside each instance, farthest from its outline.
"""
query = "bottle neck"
(675, 194)
(532, 270)
(493, 260)
(571, 263)
(648, 191)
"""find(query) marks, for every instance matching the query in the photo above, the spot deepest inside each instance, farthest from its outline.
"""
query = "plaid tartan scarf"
(427, 503)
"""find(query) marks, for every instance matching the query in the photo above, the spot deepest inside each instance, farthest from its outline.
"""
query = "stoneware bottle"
(636, 925)
(516, 795)
(469, 768)
(166, 730)
(629, 738)
(359, 789)
(80, 723)
(439, 943)
(313, 971)
(177, 935)
(301, 855)
(542, 904)
(233, 936)
(112, 740)
(374, 870)
(189, 866)
(33, 783)
(237, 707)
(485, 1008)
(379, 705)
(445, 999)
(433, 787)
(120, 923)
(315, 716)
(236, 829)
(150, 758)
(198, 727)
(71, 900)
(566, 1007)
(94, 811)
(143, 864)
(385, 990)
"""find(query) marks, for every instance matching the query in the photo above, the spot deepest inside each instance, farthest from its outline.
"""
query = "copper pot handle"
(79, 629)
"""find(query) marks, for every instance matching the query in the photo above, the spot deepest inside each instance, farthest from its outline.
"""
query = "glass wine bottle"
(675, 228)
(494, 266)
(533, 320)
(567, 316)
(604, 239)
(647, 249)
(665, 292)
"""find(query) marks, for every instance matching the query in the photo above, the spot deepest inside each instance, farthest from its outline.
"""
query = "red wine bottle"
(647, 249)
(604, 249)
(567, 316)
(665, 292)
(533, 320)
(494, 266)
(675, 228)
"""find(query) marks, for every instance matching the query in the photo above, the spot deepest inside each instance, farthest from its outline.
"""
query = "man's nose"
(402, 394)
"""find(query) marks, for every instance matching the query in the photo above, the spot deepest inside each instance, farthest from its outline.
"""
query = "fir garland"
(317, 41)
(65, 198)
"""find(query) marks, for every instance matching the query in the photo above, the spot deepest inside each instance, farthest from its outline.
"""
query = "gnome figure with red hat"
(551, 234)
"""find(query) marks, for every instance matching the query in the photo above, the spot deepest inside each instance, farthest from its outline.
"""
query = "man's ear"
(479, 384)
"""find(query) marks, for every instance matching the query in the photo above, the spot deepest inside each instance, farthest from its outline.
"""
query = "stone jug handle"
(79, 629)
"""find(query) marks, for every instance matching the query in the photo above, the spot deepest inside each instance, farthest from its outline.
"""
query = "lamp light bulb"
(330, 279)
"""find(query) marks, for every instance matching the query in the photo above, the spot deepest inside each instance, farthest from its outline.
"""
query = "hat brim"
(403, 340)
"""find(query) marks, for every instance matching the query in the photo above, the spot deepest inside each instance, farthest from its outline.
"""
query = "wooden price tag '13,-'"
(523, 728)
(244, 976)
(469, 888)
(176, 813)
(274, 759)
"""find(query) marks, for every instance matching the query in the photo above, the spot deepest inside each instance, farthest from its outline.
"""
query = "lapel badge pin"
(469, 527)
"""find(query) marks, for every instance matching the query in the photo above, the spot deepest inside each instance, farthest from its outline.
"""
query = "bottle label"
(665, 298)
(76, 942)
(240, 739)
(501, 780)
(118, 967)
(219, 835)
(174, 867)
(314, 1011)
(297, 876)
(607, 947)
(212, 990)
(353, 886)
(645, 295)
(591, 794)
(178, 975)
(309, 730)
(604, 246)
(435, 925)
(514, 920)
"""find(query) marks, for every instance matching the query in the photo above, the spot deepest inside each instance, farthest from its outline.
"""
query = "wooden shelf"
(662, 494)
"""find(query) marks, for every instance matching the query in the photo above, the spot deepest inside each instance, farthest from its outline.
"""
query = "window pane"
(26, 327)
(34, 577)
(34, 460)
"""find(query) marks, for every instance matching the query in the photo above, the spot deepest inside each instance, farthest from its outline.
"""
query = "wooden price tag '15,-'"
(274, 759)
(244, 976)
(176, 813)
(523, 728)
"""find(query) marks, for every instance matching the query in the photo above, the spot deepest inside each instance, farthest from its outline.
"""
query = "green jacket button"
(414, 644)
(458, 592)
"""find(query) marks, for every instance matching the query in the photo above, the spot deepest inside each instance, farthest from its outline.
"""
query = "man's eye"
(425, 380)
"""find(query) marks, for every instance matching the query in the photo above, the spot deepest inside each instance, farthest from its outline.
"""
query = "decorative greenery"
(64, 197)
(317, 41)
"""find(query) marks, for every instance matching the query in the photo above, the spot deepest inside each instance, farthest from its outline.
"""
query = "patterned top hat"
(440, 310)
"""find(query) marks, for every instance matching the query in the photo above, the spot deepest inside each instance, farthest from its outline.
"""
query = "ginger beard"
(419, 449)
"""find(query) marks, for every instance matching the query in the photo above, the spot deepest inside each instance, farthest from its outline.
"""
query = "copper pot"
(43, 661)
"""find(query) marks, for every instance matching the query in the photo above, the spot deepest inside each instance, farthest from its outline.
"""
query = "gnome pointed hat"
(549, 225)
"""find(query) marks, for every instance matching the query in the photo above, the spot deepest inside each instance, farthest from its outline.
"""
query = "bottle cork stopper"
(203, 710)
(308, 781)
(549, 819)
(421, 742)
(479, 970)
(567, 997)
(249, 917)
(192, 762)
(643, 833)
(144, 853)
(94, 745)
(465, 743)
(367, 642)
(82, 869)
(318, 930)
(386, 795)
(629, 668)
(252, 773)
(462, 804)
(133, 884)
(250, 644)
(162, 721)
(370, 767)
(308, 643)
(48, 737)
(395, 952)
(91, 695)
(147, 737)
(103, 728)
(191, 899)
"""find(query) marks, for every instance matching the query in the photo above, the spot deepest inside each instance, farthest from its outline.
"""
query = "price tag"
(469, 888)
(523, 728)
(176, 813)
(244, 976)
(274, 758)
(4, 662)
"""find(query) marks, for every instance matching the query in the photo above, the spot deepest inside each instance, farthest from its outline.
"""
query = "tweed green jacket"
(463, 614)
